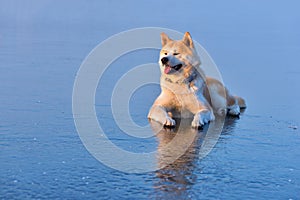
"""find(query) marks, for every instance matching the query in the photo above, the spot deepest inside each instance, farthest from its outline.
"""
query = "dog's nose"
(164, 60)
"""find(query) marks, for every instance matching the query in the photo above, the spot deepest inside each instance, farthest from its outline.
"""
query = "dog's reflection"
(179, 150)
(177, 153)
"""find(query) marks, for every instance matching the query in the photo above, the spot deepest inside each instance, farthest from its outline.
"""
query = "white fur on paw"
(202, 117)
(169, 122)
(234, 110)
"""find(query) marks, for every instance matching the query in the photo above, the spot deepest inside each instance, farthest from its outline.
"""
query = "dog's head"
(177, 56)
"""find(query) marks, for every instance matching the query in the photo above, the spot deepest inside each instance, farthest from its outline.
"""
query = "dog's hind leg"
(216, 94)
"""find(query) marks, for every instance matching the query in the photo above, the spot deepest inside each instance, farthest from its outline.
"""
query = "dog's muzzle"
(168, 67)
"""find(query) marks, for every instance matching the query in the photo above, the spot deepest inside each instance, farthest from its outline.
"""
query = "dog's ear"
(164, 39)
(187, 39)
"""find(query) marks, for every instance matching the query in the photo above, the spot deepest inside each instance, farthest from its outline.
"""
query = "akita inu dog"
(185, 91)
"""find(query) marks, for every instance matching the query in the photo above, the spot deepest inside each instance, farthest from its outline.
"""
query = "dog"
(185, 90)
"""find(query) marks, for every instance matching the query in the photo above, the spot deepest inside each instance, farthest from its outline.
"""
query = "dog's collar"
(180, 82)
(187, 81)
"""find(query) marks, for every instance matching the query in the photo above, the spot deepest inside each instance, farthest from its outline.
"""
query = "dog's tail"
(241, 102)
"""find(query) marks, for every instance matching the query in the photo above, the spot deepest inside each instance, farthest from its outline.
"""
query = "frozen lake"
(256, 46)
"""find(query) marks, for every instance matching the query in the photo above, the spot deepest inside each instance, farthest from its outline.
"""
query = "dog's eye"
(175, 54)
(166, 53)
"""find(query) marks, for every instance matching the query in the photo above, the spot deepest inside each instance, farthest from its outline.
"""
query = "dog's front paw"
(169, 122)
(202, 117)
(234, 110)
